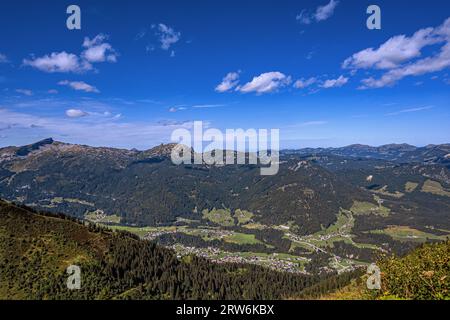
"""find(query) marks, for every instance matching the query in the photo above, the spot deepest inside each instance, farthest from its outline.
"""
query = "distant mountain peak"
(397, 146)
(161, 150)
(25, 150)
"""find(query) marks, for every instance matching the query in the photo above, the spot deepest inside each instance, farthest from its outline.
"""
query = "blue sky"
(137, 70)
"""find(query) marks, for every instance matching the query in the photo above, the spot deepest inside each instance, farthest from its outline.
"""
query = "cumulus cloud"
(96, 50)
(76, 113)
(326, 11)
(79, 85)
(304, 83)
(334, 83)
(167, 36)
(265, 83)
(398, 53)
(228, 82)
(58, 62)
(420, 67)
(322, 13)
(25, 92)
(393, 52)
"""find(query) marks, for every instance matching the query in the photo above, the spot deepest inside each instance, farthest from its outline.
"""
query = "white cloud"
(393, 52)
(98, 39)
(228, 82)
(322, 13)
(76, 113)
(167, 36)
(303, 83)
(420, 67)
(397, 53)
(79, 85)
(326, 11)
(266, 82)
(96, 51)
(52, 91)
(25, 92)
(409, 110)
(334, 83)
(58, 62)
(3, 58)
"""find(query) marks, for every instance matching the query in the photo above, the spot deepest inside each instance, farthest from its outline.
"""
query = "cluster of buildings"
(288, 264)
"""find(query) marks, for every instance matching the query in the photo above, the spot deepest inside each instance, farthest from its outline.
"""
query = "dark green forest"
(36, 248)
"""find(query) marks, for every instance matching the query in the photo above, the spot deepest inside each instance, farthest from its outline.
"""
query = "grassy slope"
(38, 247)
(423, 274)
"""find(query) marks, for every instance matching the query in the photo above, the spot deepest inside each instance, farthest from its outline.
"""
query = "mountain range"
(327, 209)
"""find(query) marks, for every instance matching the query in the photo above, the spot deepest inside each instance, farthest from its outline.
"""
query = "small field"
(99, 217)
(405, 233)
(435, 187)
(365, 208)
(411, 186)
(383, 191)
(242, 238)
(243, 216)
(219, 216)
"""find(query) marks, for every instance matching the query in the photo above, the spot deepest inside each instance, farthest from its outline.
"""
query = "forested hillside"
(36, 249)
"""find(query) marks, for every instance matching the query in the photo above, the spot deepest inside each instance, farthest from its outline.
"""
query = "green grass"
(70, 200)
(435, 187)
(95, 217)
(420, 275)
(365, 208)
(255, 226)
(423, 274)
(35, 250)
(243, 216)
(405, 233)
(187, 221)
(219, 216)
(242, 238)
